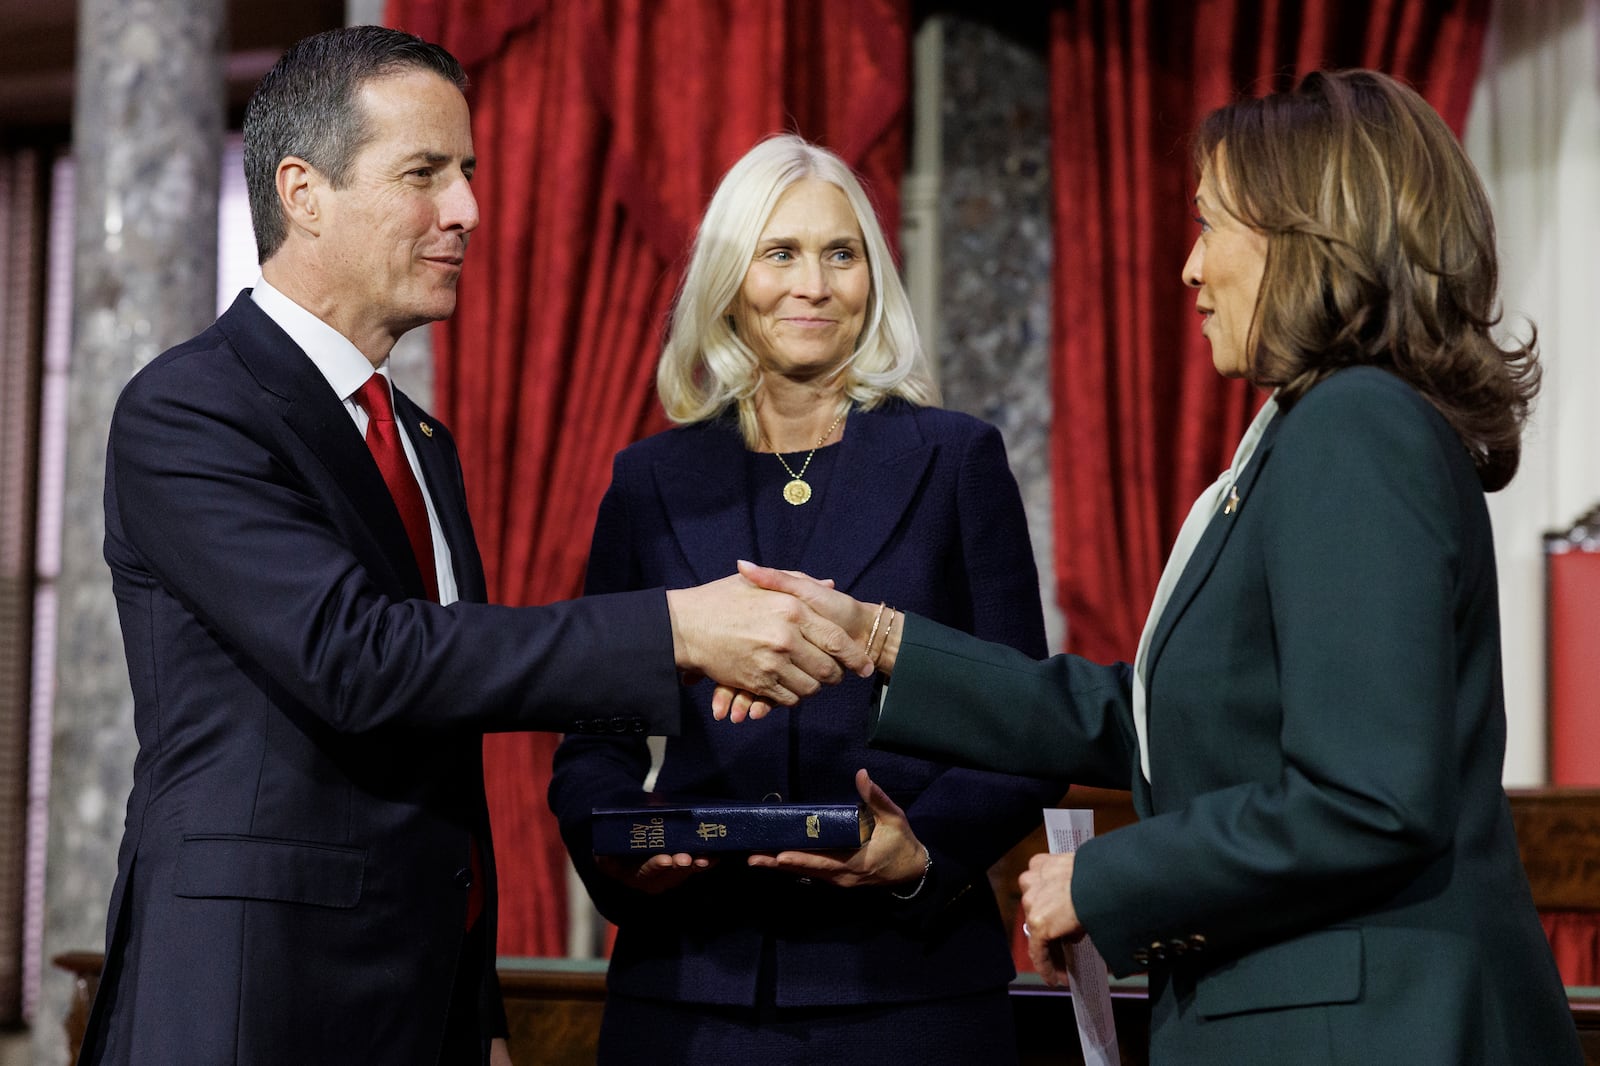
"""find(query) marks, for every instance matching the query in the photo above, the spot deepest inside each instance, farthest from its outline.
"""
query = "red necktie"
(383, 440)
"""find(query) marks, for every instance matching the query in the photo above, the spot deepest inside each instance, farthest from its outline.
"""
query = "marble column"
(147, 147)
(996, 255)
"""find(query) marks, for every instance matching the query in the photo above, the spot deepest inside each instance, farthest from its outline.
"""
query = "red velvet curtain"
(1142, 421)
(601, 128)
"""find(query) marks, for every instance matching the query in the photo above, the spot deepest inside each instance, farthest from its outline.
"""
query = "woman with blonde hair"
(808, 439)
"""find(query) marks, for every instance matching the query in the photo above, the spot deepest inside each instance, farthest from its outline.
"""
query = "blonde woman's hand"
(892, 856)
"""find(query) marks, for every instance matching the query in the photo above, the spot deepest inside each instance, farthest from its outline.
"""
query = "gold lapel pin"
(427, 430)
(1233, 500)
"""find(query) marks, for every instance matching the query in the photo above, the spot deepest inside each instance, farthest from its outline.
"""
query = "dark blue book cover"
(702, 828)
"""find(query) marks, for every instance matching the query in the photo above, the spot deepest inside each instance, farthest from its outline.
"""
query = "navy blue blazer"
(291, 885)
(921, 510)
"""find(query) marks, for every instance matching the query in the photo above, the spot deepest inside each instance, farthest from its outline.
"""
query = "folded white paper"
(1086, 970)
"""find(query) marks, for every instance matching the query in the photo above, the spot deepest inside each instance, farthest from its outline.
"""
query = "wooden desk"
(553, 1009)
(1558, 834)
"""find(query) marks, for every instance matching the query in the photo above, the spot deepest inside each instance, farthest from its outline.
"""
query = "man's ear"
(299, 186)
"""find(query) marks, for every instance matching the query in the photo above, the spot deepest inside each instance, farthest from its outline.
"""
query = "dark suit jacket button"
(638, 726)
(1197, 942)
(1176, 947)
(1158, 950)
(1141, 956)
(620, 725)
(463, 878)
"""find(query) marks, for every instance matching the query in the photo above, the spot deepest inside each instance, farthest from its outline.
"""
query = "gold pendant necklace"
(797, 491)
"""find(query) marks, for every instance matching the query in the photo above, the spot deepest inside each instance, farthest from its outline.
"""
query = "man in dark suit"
(306, 874)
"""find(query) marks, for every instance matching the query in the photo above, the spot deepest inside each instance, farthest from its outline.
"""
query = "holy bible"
(702, 828)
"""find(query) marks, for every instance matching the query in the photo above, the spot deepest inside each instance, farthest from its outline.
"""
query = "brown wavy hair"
(1381, 252)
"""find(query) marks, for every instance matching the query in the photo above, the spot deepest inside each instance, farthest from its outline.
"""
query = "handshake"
(772, 637)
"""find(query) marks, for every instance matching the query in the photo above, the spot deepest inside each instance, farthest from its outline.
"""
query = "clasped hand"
(767, 637)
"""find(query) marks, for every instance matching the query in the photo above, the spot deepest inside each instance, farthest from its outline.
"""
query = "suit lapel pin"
(427, 430)
(1233, 500)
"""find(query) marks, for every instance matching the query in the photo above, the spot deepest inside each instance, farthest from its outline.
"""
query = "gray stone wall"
(995, 255)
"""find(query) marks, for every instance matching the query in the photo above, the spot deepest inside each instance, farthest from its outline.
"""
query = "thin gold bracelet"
(875, 620)
(887, 629)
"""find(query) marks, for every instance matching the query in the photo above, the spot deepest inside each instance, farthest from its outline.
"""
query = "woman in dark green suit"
(1314, 727)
